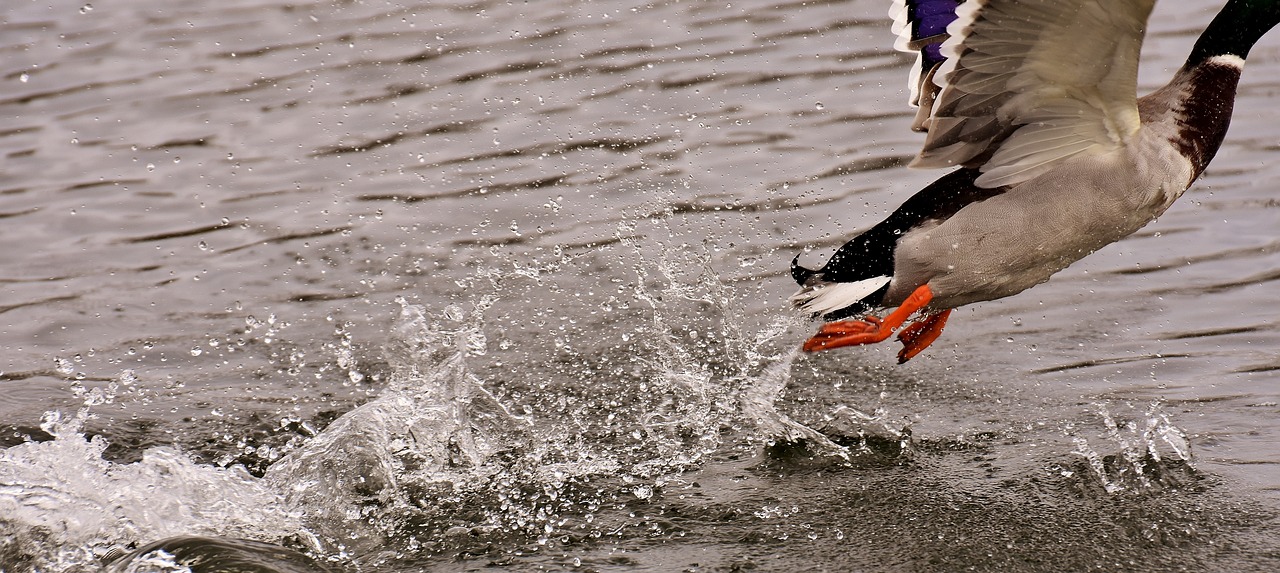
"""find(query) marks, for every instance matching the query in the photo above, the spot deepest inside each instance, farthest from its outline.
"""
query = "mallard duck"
(1034, 102)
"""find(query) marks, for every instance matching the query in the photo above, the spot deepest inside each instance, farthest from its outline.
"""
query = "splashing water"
(739, 381)
(1138, 462)
(64, 493)
(438, 461)
(424, 440)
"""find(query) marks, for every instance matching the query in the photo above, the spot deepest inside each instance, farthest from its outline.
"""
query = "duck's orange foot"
(920, 334)
(847, 333)
(871, 329)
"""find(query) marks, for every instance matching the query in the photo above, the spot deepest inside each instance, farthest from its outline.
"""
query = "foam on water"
(80, 507)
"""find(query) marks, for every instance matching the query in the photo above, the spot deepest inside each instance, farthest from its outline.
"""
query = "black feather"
(800, 273)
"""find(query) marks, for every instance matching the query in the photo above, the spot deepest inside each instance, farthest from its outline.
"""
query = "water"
(480, 286)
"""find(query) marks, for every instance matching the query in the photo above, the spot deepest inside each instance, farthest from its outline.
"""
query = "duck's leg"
(920, 334)
(870, 330)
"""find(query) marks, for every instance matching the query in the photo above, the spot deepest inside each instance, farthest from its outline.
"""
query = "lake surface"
(501, 286)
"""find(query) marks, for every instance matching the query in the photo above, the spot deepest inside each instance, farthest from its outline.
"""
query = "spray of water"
(424, 441)
(1137, 454)
(82, 507)
(438, 460)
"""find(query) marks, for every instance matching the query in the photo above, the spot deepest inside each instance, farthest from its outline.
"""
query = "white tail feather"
(826, 297)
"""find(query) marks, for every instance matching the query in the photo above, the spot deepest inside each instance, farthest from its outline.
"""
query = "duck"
(1033, 105)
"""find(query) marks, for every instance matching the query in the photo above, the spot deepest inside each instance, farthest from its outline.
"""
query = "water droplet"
(196, 351)
(87, 8)
(23, 77)
(477, 343)
(63, 366)
(151, 167)
(819, 105)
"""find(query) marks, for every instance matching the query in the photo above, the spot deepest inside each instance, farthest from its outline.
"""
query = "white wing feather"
(898, 11)
(902, 28)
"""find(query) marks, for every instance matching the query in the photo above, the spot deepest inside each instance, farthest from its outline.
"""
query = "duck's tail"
(799, 273)
(829, 299)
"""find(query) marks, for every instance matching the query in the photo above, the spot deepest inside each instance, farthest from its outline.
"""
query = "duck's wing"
(921, 27)
(1027, 83)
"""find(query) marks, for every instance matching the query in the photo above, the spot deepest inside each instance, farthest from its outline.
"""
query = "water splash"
(83, 507)
(1145, 450)
(736, 373)
(759, 405)
(427, 436)
(438, 461)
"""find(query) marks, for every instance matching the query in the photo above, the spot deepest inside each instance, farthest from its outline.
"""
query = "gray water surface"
(501, 286)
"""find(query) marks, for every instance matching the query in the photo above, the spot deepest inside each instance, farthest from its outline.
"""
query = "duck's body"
(1058, 156)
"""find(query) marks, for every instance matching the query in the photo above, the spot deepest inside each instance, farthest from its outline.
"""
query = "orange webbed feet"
(871, 329)
(920, 334)
(847, 333)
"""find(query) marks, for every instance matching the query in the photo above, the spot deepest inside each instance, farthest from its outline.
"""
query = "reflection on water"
(486, 285)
